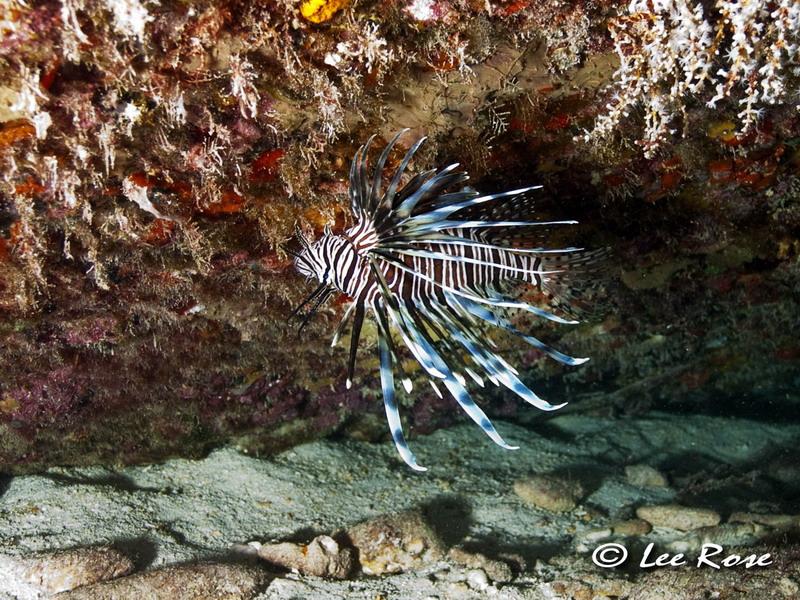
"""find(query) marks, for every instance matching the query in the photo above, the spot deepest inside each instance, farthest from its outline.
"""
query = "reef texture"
(155, 156)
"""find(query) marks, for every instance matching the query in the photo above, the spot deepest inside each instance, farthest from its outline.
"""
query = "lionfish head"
(309, 261)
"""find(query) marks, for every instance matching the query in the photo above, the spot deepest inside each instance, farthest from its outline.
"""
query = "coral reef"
(154, 157)
(671, 54)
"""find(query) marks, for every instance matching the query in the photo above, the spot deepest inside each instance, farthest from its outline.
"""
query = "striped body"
(434, 266)
(351, 275)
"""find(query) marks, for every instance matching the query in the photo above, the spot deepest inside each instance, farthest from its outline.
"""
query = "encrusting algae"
(155, 157)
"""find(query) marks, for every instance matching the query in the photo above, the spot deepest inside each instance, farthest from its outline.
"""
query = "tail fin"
(577, 286)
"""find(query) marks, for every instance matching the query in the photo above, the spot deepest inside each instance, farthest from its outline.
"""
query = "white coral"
(130, 18)
(243, 87)
(422, 10)
(367, 49)
(105, 139)
(138, 195)
(129, 116)
(72, 35)
(329, 106)
(175, 108)
(62, 183)
(668, 50)
(28, 99)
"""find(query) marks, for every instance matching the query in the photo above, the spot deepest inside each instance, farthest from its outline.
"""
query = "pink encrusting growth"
(156, 156)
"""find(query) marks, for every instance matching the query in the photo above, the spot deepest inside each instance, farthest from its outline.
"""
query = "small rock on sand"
(775, 521)
(728, 535)
(788, 588)
(322, 557)
(631, 528)
(54, 572)
(645, 476)
(675, 516)
(391, 544)
(588, 539)
(187, 582)
(496, 570)
(477, 580)
(550, 493)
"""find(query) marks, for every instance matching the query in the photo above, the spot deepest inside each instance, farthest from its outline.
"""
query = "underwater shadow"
(141, 550)
(181, 539)
(769, 483)
(590, 475)
(5, 482)
(449, 516)
(519, 556)
(113, 480)
(303, 535)
(550, 431)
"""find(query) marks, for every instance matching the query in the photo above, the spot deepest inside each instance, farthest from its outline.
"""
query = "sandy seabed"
(473, 497)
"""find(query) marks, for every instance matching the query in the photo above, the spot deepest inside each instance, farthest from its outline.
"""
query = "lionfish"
(431, 260)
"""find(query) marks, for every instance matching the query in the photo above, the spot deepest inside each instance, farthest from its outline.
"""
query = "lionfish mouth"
(316, 299)
(440, 265)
